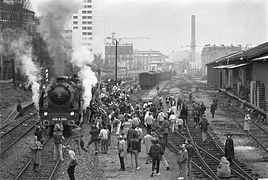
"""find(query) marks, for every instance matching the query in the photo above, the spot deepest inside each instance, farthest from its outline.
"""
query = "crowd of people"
(135, 125)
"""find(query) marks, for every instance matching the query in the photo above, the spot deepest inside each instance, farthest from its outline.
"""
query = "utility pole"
(116, 43)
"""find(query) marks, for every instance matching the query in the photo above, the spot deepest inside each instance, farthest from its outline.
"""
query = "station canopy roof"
(263, 58)
(230, 66)
(259, 53)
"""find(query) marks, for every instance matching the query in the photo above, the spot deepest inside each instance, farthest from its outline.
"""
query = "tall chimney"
(193, 45)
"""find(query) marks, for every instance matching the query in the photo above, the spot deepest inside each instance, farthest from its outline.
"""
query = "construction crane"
(113, 38)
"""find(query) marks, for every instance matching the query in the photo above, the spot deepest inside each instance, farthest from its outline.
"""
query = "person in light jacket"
(183, 162)
(36, 148)
(223, 169)
(247, 123)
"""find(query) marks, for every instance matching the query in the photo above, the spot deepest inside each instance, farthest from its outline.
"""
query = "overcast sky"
(167, 22)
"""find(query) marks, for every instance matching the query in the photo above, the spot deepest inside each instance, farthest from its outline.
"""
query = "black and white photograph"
(133, 89)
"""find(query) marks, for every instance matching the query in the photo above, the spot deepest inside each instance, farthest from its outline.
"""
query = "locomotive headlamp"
(45, 113)
(72, 113)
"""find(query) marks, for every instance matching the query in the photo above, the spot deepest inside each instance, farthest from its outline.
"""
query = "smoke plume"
(81, 57)
(18, 44)
(55, 15)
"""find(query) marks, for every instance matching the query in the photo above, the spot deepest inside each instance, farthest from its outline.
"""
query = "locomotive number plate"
(59, 119)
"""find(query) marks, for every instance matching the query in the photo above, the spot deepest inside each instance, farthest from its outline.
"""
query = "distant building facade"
(124, 59)
(88, 28)
(148, 60)
(211, 52)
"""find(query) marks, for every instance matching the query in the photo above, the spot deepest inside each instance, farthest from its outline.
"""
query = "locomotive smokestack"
(193, 38)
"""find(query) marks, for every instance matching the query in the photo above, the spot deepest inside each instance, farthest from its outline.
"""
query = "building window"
(75, 22)
(86, 17)
(75, 27)
(75, 17)
(86, 28)
(86, 12)
(86, 22)
(87, 33)
(87, 6)
(87, 1)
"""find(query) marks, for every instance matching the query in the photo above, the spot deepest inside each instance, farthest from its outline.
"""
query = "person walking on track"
(183, 159)
(147, 140)
(36, 148)
(172, 120)
(229, 148)
(165, 127)
(190, 150)
(72, 163)
(94, 137)
(134, 150)
(213, 108)
(155, 153)
(204, 128)
(58, 138)
(76, 133)
(122, 151)
(247, 123)
(163, 146)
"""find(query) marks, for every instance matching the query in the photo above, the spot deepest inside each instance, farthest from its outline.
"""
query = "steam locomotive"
(61, 102)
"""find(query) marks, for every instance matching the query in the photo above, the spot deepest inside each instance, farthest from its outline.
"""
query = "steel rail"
(193, 163)
(232, 169)
(28, 163)
(234, 163)
(15, 141)
(252, 136)
(200, 157)
(58, 162)
(26, 118)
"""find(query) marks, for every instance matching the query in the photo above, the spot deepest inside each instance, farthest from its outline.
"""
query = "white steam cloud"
(81, 57)
(55, 15)
(17, 43)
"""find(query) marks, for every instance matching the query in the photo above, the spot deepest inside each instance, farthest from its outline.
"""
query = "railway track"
(212, 154)
(48, 165)
(207, 154)
(258, 132)
(12, 133)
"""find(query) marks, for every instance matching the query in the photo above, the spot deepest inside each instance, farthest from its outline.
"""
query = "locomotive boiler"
(61, 102)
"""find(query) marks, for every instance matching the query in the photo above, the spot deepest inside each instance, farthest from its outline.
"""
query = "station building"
(243, 74)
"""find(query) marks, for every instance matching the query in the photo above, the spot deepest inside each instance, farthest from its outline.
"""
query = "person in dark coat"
(19, 108)
(155, 153)
(190, 150)
(229, 148)
(204, 127)
(184, 114)
(203, 108)
(39, 133)
(213, 108)
(94, 137)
